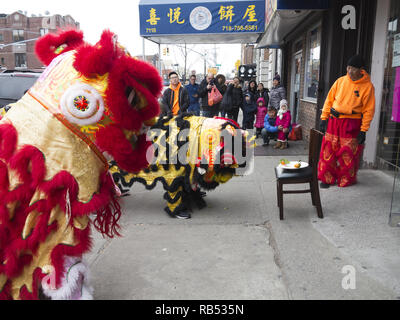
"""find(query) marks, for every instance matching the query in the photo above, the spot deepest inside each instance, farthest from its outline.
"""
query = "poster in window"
(396, 98)
(396, 51)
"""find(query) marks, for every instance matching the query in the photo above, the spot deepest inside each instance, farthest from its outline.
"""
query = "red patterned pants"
(340, 152)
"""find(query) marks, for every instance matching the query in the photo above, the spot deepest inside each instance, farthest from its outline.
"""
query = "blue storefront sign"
(195, 17)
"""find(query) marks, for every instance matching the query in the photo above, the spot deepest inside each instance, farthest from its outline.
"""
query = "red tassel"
(106, 221)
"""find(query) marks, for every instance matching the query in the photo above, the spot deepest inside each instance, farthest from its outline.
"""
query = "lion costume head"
(100, 92)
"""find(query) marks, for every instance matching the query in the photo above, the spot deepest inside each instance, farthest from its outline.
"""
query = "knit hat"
(283, 102)
(281, 112)
(277, 77)
(356, 61)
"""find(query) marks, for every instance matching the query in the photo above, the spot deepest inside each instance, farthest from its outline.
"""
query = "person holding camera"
(205, 87)
(233, 99)
(345, 119)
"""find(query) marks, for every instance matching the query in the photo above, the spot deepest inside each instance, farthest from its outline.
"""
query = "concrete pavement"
(237, 248)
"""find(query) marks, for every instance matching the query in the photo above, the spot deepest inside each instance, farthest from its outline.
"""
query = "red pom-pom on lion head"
(129, 89)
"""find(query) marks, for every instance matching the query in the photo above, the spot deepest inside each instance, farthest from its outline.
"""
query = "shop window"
(389, 124)
(312, 63)
(18, 35)
(20, 60)
(298, 46)
(43, 31)
(1, 37)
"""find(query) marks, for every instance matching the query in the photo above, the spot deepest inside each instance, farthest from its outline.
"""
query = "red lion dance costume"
(89, 103)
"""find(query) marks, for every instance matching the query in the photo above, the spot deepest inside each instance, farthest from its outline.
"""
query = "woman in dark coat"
(253, 90)
(235, 93)
(262, 93)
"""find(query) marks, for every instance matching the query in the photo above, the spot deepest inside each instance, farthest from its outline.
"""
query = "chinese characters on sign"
(250, 13)
(226, 13)
(218, 17)
(174, 15)
(152, 20)
(153, 17)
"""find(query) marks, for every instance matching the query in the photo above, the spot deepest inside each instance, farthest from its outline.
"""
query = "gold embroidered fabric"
(62, 150)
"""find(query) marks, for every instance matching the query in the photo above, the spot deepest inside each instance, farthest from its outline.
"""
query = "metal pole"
(144, 56)
(159, 58)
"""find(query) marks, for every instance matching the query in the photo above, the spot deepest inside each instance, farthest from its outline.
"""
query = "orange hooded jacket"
(353, 99)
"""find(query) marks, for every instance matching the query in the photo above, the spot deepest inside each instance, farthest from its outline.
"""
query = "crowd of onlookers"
(265, 110)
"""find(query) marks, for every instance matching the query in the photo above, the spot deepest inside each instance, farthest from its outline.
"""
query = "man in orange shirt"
(346, 117)
(175, 99)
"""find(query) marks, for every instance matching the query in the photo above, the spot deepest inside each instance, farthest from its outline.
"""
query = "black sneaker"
(324, 185)
(183, 215)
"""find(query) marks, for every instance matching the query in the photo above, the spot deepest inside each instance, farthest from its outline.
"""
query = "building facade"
(18, 33)
(315, 46)
(316, 43)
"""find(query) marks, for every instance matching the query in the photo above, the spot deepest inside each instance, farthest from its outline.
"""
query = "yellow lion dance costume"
(189, 153)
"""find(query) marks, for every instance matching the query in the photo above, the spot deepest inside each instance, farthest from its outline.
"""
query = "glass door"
(295, 92)
(388, 152)
(389, 126)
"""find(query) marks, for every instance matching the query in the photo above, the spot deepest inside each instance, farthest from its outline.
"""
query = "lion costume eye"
(82, 104)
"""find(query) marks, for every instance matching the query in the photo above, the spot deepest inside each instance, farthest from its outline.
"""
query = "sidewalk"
(237, 248)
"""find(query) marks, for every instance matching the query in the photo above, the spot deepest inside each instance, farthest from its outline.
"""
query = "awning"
(282, 16)
(205, 21)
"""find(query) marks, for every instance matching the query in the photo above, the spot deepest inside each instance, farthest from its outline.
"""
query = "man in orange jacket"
(175, 99)
(346, 117)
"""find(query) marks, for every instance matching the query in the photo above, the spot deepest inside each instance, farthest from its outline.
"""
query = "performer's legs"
(74, 283)
(327, 166)
(348, 155)
(176, 206)
(340, 152)
(197, 198)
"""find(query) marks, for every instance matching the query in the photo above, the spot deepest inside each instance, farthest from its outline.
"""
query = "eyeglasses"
(175, 77)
